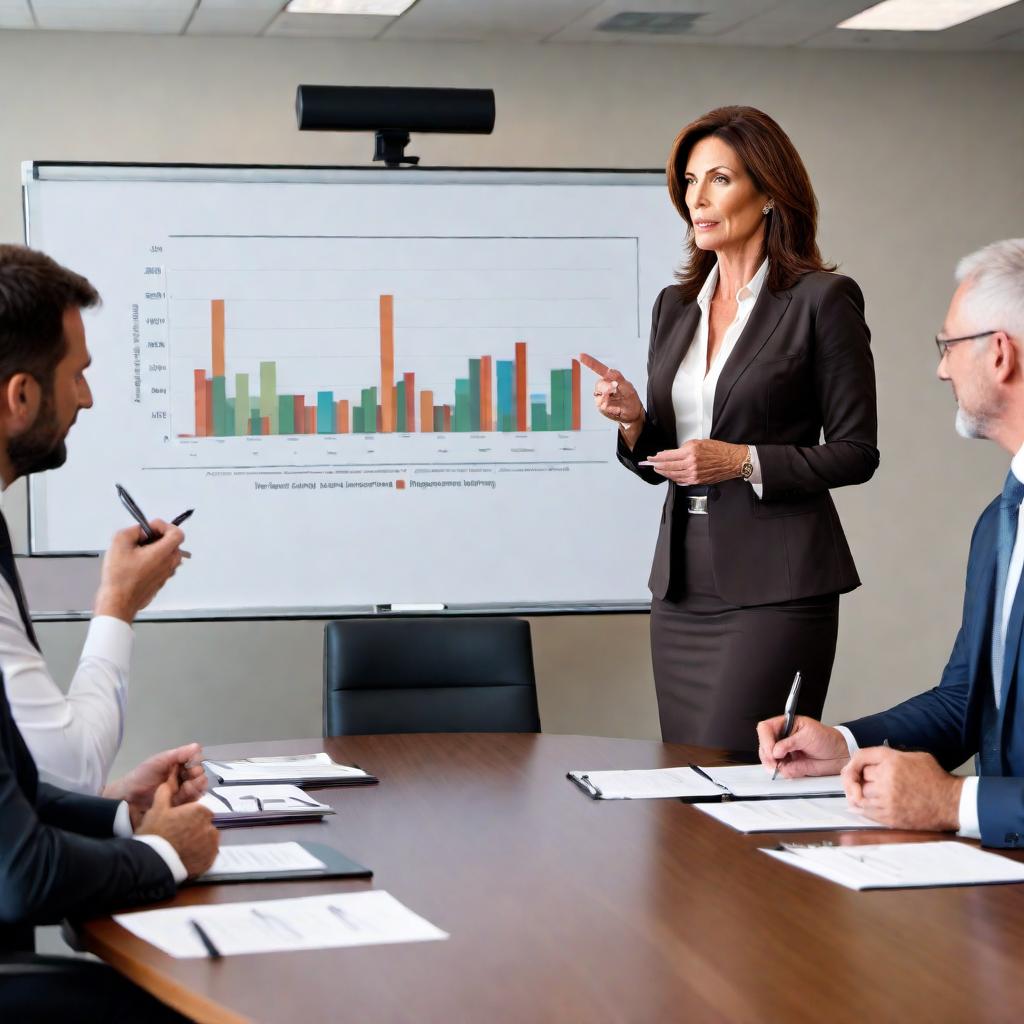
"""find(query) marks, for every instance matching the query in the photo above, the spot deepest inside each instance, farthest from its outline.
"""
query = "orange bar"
(576, 418)
(217, 332)
(299, 414)
(447, 420)
(264, 425)
(410, 401)
(208, 388)
(486, 413)
(202, 429)
(521, 396)
(387, 363)
(344, 422)
(426, 412)
(311, 420)
(380, 420)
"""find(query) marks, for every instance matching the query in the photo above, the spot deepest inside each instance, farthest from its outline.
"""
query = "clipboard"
(337, 866)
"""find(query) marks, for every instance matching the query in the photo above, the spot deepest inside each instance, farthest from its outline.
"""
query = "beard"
(42, 447)
(969, 426)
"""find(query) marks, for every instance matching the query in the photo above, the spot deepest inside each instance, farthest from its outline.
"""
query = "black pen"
(700, 771)
(137, 514)
(787, 725)
(204, 938)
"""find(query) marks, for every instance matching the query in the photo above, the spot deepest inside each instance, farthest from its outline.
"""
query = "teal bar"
(285, 414)
(257, 424)
(539, 416)
(369, 410)
(555, 420)
(438, 419)
(461, 422)
(220, 408)
(505, 372)
(357, 420)
(325, 412)
(241, 404)
(474, 394)
(400, 424)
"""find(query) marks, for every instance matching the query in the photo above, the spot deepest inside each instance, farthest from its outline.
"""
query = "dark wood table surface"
(562, 908)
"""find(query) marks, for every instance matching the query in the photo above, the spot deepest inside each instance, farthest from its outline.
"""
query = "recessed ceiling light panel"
(384, 8)
(920, 15)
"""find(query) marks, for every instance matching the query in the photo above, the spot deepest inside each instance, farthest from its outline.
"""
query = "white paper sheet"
(902, 865)
(247, 858)
(271, 926)
(311, 767)
(754, 780)
(645, 784)
(259, 799)
(804, 814)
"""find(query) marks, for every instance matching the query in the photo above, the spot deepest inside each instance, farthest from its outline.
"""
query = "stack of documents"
(902, 865)
(271, 926)
(803, 814)
(296, 769)
(741, 782)
(257, 862)
(261, 805)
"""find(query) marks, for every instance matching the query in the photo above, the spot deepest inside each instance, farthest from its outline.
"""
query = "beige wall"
(916, 160)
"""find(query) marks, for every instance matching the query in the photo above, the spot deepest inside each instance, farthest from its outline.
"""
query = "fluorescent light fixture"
(920, 15)
(385, 8)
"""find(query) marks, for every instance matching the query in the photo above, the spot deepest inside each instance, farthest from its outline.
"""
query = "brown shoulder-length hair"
(771, 160)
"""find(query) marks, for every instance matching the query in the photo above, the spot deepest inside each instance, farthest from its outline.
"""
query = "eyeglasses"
(943, 343)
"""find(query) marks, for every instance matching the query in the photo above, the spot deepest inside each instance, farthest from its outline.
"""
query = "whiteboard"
(365, 382)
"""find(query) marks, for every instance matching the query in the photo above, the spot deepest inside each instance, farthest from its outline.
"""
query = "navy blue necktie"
(1009, 511)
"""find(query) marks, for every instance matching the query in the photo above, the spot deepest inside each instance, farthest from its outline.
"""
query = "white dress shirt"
(693, 390)
(73, 738)
(969, 821)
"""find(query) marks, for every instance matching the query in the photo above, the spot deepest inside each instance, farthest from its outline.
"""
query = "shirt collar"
(747, 293)
(1017, 465)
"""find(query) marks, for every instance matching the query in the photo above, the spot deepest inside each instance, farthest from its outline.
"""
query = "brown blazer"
(802, 366)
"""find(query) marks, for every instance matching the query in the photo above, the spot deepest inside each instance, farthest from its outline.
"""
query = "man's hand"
(133, 575)
(810, 749)
(139, 786)
(188, 827)
(903, 790)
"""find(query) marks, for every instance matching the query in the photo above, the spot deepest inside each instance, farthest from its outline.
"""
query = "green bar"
(438, 418)
(461, 420)
(241, 404)
(268, 393)
(370, 410)
(539, 417)
(555, 422)
(257, 424)
(400, 424)
(474, 394)
(220, 408)
(357, 419)
(286, 414)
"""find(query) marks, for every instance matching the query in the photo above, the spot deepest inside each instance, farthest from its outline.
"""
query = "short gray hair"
(996, 293)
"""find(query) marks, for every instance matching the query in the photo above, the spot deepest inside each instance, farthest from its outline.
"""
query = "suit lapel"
(666, 365)
(1011, 650)
(764, 318)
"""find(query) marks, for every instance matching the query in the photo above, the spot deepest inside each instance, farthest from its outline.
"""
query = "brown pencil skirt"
(719, 669)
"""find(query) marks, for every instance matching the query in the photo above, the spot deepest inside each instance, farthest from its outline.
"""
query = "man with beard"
(63, 853)
(896, 765)
(43, 357)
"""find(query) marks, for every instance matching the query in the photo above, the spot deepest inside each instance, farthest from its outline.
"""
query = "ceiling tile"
(234, 17)
(155, 16)
(345, 26)
(486, 19)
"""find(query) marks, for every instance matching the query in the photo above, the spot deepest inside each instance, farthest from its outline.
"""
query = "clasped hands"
(899, 789)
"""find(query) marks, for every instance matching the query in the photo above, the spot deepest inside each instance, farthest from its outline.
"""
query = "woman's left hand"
(700, 462)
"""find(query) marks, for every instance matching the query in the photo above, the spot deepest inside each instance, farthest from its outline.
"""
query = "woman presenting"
(760, 399)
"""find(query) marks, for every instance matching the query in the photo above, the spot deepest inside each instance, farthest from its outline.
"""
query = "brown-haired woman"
(756, 354)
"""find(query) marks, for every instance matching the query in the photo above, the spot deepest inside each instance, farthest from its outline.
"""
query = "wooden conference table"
(562, 908)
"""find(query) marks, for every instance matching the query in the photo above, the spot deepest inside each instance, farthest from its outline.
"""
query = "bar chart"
(334, 336)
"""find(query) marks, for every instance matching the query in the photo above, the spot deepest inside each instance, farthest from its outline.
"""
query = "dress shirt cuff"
(110, 639)
(755, 479)
(848, 736)
(168, 854)
(970, 826)
(123, 822)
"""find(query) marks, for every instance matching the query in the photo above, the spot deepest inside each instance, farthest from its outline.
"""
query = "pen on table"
(204, 938)
(787, 725)
(585, 779)
(700, 771)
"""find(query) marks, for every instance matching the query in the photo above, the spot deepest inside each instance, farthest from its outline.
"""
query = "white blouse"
(693, 390)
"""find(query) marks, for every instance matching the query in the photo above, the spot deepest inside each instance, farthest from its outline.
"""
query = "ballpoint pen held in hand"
(136, 513)
(787, 725)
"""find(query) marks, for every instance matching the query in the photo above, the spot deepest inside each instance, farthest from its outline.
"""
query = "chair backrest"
(466, 674)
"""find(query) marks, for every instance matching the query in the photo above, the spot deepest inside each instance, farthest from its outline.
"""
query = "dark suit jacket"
(948, 720)
(57, 854)
(801, 366)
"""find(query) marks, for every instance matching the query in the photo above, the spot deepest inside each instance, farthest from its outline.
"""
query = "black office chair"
(429, 675)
